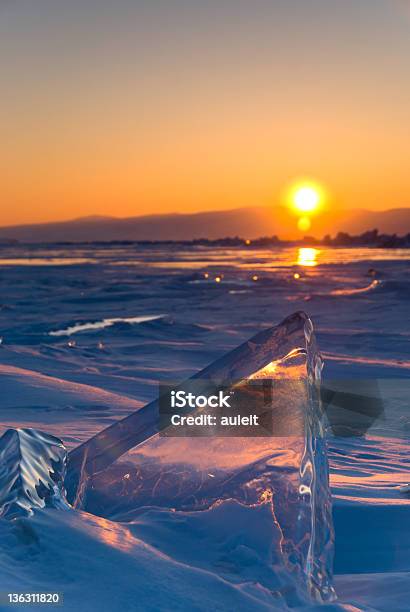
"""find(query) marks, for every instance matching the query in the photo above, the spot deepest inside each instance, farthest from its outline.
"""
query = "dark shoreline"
(370, 239)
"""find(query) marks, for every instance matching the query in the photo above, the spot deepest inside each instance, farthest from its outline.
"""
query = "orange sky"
(132, 107)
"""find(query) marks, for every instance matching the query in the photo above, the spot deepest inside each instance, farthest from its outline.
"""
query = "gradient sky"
(127, 107)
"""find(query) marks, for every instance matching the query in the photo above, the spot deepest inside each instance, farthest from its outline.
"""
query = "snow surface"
(74, 389)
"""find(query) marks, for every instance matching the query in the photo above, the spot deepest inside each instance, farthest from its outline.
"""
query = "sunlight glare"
(306, 198)
(307, 257)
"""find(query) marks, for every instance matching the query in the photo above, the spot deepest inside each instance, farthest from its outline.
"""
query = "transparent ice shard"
(32, 471)
(285, 476)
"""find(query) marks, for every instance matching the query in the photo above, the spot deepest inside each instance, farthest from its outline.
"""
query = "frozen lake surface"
(87, 333)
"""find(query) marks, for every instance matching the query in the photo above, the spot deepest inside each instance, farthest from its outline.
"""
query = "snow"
(156, 559)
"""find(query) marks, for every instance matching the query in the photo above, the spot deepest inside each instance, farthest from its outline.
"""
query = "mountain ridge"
(247, 222)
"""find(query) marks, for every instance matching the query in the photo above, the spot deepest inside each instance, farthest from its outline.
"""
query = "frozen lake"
(87, 333)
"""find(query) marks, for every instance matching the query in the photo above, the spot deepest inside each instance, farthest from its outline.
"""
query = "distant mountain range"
(251, 222)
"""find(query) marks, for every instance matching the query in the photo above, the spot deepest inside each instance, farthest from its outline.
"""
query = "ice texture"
(32, 471)
(284, 476)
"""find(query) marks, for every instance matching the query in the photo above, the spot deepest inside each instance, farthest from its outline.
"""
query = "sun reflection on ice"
(307, 257)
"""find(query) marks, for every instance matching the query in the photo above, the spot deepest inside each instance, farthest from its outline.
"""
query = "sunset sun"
(306, 198)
